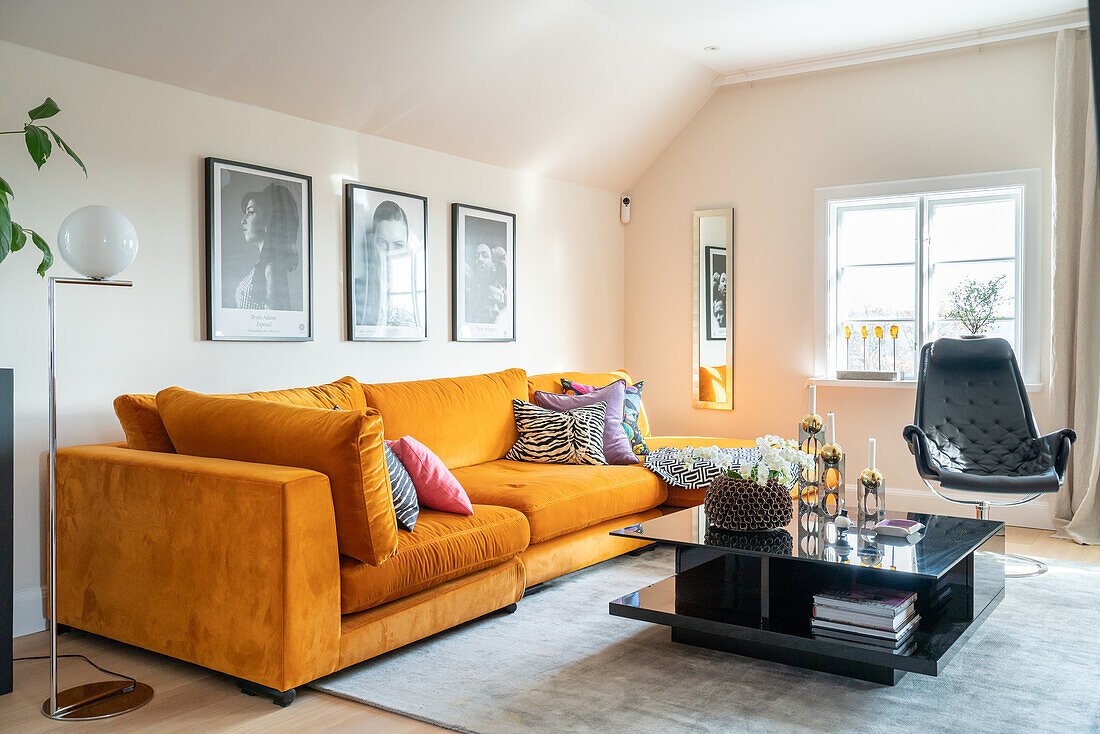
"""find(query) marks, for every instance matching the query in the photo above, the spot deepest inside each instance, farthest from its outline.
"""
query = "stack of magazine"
(868, 617)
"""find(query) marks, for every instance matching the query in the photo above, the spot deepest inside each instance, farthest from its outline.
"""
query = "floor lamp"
(99, 243)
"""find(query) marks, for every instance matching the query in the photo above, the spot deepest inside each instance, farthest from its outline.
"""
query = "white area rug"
(561, 663)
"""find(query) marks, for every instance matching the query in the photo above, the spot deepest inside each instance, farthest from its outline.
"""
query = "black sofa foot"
(279, 698)
(510, 609)
(640, 551)
(63, 629)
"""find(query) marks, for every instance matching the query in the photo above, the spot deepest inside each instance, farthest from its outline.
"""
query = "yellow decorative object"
(894, 331)
(847, 332)
(831, 453)
(870, 478)
(878, 332)
(811, 423)
(863, 331)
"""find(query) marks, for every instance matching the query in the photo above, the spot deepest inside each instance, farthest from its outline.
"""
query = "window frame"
(1028, 261)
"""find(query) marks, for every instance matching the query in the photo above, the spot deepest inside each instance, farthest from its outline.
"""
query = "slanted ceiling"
(558, 89)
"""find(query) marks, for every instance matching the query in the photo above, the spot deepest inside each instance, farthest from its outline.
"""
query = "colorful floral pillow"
(632, 409)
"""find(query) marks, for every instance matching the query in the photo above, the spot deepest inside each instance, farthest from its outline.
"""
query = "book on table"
(870, 600)
(867, 633)
(868, 616)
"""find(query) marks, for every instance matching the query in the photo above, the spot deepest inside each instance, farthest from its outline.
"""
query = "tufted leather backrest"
(972, 405)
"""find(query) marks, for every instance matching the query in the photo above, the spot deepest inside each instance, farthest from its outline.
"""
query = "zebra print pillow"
(549, 437)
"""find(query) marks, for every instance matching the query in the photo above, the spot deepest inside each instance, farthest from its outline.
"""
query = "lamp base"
(100, 700)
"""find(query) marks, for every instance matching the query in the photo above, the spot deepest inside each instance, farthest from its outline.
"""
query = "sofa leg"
(510, 609)
(279, 698)
(643, 549)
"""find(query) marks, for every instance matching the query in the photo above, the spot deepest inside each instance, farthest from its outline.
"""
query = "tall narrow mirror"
(712, 345)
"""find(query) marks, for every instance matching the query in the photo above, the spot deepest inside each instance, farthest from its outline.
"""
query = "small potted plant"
(752, 497)
(975, 304)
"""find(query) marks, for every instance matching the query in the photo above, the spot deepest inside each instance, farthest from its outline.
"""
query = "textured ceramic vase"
(745, 506)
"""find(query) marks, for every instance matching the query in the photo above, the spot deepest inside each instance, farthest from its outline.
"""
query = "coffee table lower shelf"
(714, 616)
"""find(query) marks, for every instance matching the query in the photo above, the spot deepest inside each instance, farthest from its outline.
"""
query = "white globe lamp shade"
(97, 241)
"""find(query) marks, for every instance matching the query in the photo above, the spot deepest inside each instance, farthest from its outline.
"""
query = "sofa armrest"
(230, 565)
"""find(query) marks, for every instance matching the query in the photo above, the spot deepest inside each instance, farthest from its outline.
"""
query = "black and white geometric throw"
(667, 464)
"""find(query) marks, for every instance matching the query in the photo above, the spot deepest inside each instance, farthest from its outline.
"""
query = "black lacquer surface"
(752, 594)
(944, 541)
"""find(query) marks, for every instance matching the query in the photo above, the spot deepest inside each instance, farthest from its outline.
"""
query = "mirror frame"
(697, 317)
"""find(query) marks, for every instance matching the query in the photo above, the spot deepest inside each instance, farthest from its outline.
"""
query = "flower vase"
(745, 506)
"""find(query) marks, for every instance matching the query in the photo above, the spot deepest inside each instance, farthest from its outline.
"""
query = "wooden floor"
(193, 700)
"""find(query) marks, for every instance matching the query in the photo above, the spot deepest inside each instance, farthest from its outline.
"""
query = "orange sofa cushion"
(560, 498)
(444, 546)
(140, 421)
(345, 445)
(463, 420)
(145, 430)
(551, 382)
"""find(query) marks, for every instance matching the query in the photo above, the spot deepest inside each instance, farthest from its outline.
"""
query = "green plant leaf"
(48, 108)
(5, 228)
(5, 189)
(18, 237)
(47, 253)
(72, 154)
(38, 144)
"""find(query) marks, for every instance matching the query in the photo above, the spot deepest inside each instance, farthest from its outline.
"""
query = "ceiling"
(755, 34)
(554, 88)
(584, 91)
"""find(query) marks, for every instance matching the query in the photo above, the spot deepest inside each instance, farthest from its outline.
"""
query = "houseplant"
(975, 304)
(14, 236)
(752, 497)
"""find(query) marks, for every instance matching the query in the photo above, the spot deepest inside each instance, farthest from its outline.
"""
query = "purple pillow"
(616, 444)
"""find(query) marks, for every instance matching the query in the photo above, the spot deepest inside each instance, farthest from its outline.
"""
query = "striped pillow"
(405, 505)
(549, 437)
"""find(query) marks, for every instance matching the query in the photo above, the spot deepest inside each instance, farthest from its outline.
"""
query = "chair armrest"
(918, 447)
(230, 565)
(1057, 445)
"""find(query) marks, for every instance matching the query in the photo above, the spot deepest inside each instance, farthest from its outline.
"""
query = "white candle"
(830, 429)
(870, 453)
(813, 399)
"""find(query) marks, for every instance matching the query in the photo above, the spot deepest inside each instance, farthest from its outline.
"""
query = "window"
(895, 252)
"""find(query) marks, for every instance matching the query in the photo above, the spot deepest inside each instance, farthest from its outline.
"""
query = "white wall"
(144, 143)
(765, 147)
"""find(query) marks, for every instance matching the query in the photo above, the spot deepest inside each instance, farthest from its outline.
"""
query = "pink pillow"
(435, 486)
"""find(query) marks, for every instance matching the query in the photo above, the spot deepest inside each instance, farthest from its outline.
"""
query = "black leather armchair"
(974, 430)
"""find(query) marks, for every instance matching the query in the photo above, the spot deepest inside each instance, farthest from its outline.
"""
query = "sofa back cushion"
(551, 382)
(145, 430)
(345, 445)
(463, 420)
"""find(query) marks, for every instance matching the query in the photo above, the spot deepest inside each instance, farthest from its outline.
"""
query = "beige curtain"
(1075, 362)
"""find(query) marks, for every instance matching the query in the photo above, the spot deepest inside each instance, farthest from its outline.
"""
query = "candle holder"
(871, 496)
(809, 441)
(830, 470)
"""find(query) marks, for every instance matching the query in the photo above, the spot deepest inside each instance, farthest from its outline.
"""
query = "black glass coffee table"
(752, 593)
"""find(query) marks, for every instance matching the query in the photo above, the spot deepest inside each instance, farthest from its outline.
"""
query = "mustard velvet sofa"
(234, 566)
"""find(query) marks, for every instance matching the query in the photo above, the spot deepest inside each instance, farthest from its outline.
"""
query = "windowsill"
(894, 384)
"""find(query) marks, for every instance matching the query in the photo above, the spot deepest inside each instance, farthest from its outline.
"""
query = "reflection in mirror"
(712, 342)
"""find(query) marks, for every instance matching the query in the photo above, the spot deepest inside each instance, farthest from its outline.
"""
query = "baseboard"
(1034, 514)
(28, 617)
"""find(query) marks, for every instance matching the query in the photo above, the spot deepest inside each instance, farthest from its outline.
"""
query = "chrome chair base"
(981, 510)
(1038, 567)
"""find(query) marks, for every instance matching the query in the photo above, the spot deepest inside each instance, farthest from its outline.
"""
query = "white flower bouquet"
(778, 457)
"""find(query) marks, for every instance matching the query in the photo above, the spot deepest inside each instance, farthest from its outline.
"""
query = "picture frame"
(483, 274)
(714, 294)
(259, 253)
(385, 244)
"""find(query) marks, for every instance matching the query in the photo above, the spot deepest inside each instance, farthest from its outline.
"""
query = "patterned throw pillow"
(632, 405)
(404, 493)
(549, 437)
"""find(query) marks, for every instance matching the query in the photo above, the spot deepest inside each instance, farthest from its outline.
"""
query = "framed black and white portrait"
(714, 295)
(484, 269)
(259, 253)
(385, 236)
